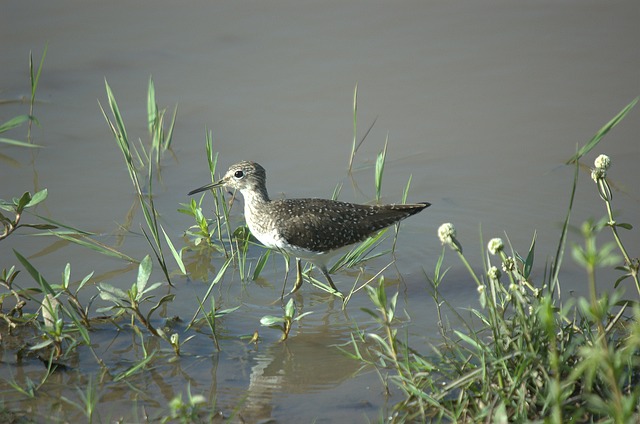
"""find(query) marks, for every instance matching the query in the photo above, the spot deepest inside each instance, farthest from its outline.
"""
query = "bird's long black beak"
(207, 187)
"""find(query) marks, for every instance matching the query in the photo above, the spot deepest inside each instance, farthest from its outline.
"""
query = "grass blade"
(46, 287)
(174, 252)
(35, 79)
(262, 261)
(380, 160)
(14, 123)
(152, 107)
(169, 135)
(94, 245)
(18, 143)
(215, 281)
(602, 132)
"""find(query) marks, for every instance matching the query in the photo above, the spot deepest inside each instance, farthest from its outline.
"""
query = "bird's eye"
(238, 174)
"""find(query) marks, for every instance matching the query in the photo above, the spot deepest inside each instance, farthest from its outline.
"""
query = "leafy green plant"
(200, 233)
(526, 354)
(211, 318)
(6, 280)
(53, 330)
(16, 207)
(284, 322)
(130, 301)
(386, 350)
(177, 344)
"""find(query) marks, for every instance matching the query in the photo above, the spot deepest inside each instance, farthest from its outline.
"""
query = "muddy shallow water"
(481, 102)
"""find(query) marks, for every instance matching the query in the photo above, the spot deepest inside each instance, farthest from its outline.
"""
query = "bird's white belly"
(274, 240)
(270, 239)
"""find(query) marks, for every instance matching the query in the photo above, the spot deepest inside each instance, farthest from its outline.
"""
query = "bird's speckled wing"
(319, 225)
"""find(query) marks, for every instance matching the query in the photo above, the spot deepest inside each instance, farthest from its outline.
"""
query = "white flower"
(597, 174)
(495, 245)
(447, 235)
(480, 289)
(509, 265)
(446, 232)
(494, 273)
(602, 162)
(513, 287)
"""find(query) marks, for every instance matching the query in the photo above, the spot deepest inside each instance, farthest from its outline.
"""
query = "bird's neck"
(255, 198)
(256, 202)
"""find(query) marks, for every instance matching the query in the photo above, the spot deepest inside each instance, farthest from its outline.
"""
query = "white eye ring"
(238, 175)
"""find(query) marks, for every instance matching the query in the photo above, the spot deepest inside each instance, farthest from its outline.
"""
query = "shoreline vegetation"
(529, 355)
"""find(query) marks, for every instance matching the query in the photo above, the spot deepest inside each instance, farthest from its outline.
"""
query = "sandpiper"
(310, 229)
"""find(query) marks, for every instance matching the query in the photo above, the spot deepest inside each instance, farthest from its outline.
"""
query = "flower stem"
(631, 265)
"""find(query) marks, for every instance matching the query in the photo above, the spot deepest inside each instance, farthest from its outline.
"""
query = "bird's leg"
(298, 276)
(323, 268)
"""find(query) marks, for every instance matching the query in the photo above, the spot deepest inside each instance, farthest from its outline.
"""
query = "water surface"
(481, 102)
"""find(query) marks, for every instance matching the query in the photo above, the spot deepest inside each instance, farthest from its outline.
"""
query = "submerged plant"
(89, 398)
(188, 411)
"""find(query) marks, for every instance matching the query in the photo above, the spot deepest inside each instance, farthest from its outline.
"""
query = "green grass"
(527, 354)
(17, 121)
(160, 141)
